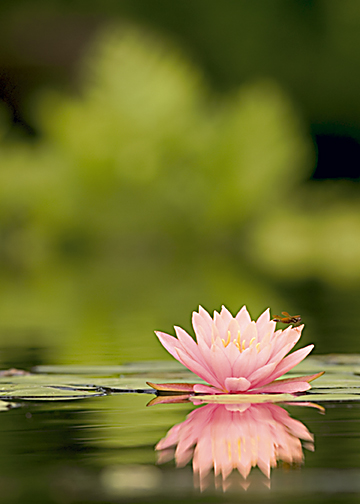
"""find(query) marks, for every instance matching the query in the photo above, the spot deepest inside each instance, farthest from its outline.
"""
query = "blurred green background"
(159, 155)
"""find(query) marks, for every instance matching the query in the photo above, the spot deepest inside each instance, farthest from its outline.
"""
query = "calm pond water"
(102, 449)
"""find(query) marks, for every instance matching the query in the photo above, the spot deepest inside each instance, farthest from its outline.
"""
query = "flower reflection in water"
(230, 436)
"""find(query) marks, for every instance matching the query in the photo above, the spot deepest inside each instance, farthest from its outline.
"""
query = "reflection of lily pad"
(6, 406)
(243, 398)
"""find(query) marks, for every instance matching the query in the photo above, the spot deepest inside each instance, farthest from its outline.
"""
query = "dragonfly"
(287, 318)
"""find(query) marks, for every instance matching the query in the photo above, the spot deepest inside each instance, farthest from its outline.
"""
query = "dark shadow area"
(338, 157)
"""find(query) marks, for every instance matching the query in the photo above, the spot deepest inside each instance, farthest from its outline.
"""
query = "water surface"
(102, 450)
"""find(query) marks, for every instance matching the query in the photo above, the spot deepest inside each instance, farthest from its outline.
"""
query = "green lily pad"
(44, 379)
(81, 382)
(340, 381)
(342, 359)
(337, 381)
(323, 397)
(46, 392)
(343, 391)
(126, 384)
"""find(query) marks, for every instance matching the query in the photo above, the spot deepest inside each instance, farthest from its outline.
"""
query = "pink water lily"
(237, 355)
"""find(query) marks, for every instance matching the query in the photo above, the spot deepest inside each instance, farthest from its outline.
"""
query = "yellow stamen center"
(225, 343)
(237, 342)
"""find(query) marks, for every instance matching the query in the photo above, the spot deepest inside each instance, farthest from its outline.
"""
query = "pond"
(144, 194)
(78, 427)
(88, 434)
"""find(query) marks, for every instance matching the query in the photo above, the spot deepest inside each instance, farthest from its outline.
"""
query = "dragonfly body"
(287, 319)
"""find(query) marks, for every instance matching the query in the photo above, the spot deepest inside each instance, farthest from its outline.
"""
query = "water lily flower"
(237, 355)
(227, 437)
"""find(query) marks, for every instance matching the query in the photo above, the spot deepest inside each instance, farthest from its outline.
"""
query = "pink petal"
(289, 381)
(205, 315)
(220, 364)
(310, 378)
(232, 353)
(277, 356)
(221, 324)
(291, 361)
(264, 324)
(188, 344)
(226, 315)
(197, 368)
(266, 338)
(205, 352)
(169, 399)
(295, 427)
(234, 329)
(171, 438)
(243, 318)
(282, 388)
(263, 318)
(246, 362)
(172, 387)
(215, 334)
(264, 355)
(202, 324)
(204, 389)
(169, 343)
(249, 333)
(287, 338)
(306, 378)
(261, 374)
(202, 337)
(234, 385)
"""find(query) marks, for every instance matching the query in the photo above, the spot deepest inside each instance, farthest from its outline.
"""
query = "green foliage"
(148, 194)
(145, 154)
